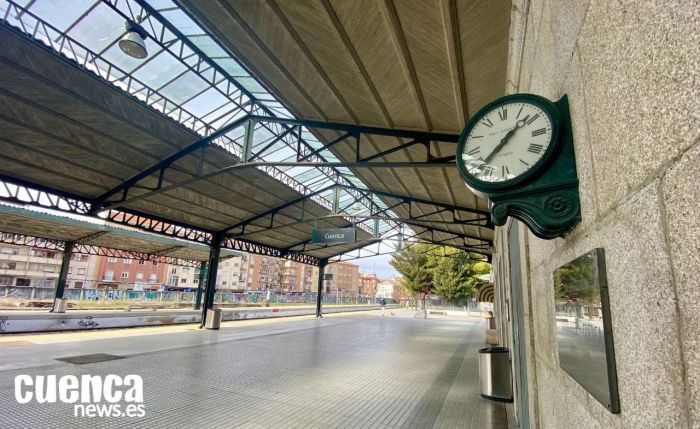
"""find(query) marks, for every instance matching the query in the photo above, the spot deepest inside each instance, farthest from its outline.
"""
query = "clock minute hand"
(498, 147)
(504, 140)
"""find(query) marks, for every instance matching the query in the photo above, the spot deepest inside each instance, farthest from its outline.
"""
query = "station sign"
(330, 236)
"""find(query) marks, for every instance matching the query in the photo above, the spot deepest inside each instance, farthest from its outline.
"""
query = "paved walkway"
(355, 370)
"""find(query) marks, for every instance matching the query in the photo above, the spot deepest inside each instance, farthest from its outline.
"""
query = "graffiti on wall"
(88, 322)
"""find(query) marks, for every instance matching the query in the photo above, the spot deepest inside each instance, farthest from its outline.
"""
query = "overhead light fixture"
(134, 41)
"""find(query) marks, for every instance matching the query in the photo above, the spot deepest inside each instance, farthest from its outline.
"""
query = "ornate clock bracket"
(549, 204)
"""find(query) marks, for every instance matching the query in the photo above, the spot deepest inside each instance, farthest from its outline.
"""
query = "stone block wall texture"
(631, 70)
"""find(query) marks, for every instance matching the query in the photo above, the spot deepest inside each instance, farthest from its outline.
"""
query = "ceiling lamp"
(133, 43)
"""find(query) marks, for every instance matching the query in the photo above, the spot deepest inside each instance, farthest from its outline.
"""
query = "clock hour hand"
(504, 140)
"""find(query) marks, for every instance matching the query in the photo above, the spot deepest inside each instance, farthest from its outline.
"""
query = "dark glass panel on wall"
(583, 327)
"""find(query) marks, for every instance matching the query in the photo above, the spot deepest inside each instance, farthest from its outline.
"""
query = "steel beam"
(324, 147)
(102, 205)
(360, 129)
(18, 191)
(407, 198)
(471, 222)
(87, 249)
(273, 210)
(156, 224)
(379, 253)
(361, 243)
(160, 166)
(249, 121)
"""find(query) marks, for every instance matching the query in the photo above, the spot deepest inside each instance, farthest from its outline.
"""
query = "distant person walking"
(382, 302)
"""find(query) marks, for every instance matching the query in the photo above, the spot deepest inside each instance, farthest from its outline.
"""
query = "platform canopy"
(44, 229)
(249, 124)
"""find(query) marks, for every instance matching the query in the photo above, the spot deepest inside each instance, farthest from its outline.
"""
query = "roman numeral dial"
(506, 141)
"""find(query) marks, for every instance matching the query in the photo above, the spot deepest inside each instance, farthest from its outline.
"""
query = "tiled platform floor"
(356, 370)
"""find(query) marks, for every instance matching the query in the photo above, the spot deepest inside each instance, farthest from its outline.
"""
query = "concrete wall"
(12, 322)
(631, 70)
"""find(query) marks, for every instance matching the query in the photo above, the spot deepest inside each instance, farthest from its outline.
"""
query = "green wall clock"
(518, 152)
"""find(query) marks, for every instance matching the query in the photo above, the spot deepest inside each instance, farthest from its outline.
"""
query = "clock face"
(507, 141)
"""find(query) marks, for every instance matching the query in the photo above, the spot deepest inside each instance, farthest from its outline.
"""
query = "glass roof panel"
(210, 48)
(308, 174)
(251, 85)
(221, 121)
(184, 87)
(232, 67)
(182, 22)
(60, 13)
(98, 29)
(262, 136)
(206, 102)
(217, 113)
(161, 4)
(158, 70)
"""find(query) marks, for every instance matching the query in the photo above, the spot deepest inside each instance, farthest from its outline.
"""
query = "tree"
(415, 264)
(449, 273)
(576, 281)
(456, 275)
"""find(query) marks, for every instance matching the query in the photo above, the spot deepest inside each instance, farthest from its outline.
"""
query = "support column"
(319, 293)
(62, 275)
(213, 266)
(200, 285)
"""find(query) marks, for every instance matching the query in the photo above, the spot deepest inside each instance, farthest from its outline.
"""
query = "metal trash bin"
(213, 319)
(59, 305)
(494, 374)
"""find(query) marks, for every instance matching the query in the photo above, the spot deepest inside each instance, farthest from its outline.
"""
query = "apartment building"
(344, 279)
(29, 266)
(298, 277)
(367, 284)
(182, 277)
(233, 273)
(81, 271)
(125, 273)
(265, 273)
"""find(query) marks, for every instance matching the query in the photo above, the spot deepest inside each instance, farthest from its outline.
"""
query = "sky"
(378, 264)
